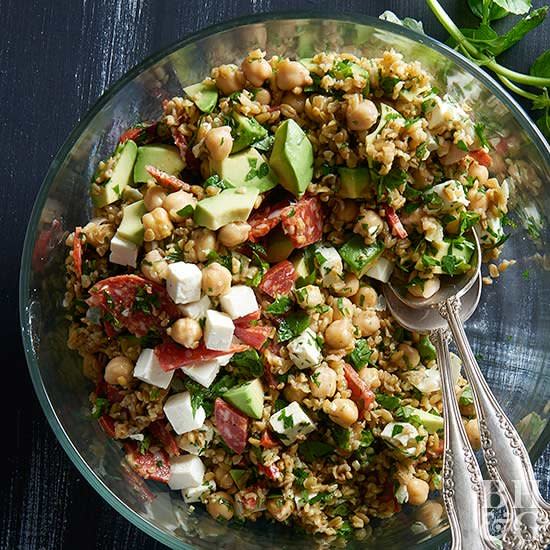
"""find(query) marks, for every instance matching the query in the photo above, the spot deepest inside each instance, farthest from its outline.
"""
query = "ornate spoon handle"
(463, 491)
(505, 455)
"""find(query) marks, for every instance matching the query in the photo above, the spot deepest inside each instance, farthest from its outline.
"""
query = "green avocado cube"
(248, 398)
(203, 94)
(246, 131)
(358, 256)
(354, 182)
(131, 227)
(432, 422)
(278, 247)
(164, 157)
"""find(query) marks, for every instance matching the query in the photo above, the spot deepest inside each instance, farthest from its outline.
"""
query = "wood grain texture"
(56, 59)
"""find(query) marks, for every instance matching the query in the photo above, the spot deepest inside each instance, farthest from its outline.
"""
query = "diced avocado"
(462, 250)
(278, 247)
(431, 422)
(247, 168)
(203, 94)
(164, 157)
(231, 205)
(426, 349)
(246, 131)
(358, 256)
(121, 177)
(300, 266)
(131, 227)
(387, 113)
(248, 398)
(292, 157)
(240, 477)
(354, 182)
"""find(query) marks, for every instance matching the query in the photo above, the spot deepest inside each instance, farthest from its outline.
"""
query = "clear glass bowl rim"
(519, 113)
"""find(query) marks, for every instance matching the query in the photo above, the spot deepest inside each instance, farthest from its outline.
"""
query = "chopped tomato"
(279, 279)
(302, 221)
(107, 425)
(482, 157)
(255, 337)
(77, 253)
(394, 222)
(161, 432)
(267, 441)
(263, 220)
(167, 180)
(152, 464)
(360, 392)
(272, 472)
(171, 356)
(232, 425)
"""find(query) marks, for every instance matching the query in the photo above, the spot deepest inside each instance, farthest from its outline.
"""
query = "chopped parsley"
(288, 421)
(215, 181)
(462, 146)
(100, 407)
(186, 211)
(525, 274)
(479, 129)
(467, 220)
(204, 397)
(145, 302)
(248, 364)
(144, 444)
(390, 402)
(466, 398)
(360, 355)
(341, 437)
(388, 83)
(292, 326)
(342, 69)
(449, 264)
(300, 475)
(265, 144)
(397, 429)
(256, 172)
(311, 450)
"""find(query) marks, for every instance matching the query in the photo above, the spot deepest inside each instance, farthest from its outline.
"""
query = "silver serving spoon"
(507, 460)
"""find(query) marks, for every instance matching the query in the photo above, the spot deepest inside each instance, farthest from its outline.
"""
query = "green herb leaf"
(517, 7)
(462, 146)
(265, 144)
(360, 355)
(467, 220)
(144, 444)
(300, 475)
(293, 326)
(100, 407)
(541, 66)
(488, 11)
(186, 211)
(341, 437)
(145, 302)
(367, 438)
(388, 84)
(311, 450)
(280, 305)
(397, 429)
(248, 364)
(390, 402)
(215, 181)
(449, 264)
(466, 398)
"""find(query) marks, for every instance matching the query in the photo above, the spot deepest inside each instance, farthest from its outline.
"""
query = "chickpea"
(296, 101)
(323, 382)
(309, 296)
(292, 393)
(367, 322)
(279, 507)
(205, 242)
(347, 287)
(430, 514)
(292, 74)
(177, 201)
(223, 477)
(339, 334)
(342, 308)
(418, 491)
(262, 96)
(234, 234)
(154, 267)
(154, 197)
(430, 287)
(472, 431)
(157, 225)
(219, 142)
(346, 211)
(220, 506)
(361, 115)
(369, 225)
(216, 279)
(479, 172)
(406, 357)
(186, 332)
(343, 412)
(119, 371)
(366, 297)
(230, 79)
(371, 377)
(256, 69)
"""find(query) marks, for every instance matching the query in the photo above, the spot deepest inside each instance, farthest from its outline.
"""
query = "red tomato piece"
(279, 279)
(166, 180)
(482, 157)
(267, 441)
(246, 320)
(360, 392)
(152, 464)
(394, 222)
(263, 220)
(107, 425)
(132, 302)
(171, 356)
(255, 337)
(302, 222)
(232, 425)
(77, 252)
(272, 472)
(161, 432)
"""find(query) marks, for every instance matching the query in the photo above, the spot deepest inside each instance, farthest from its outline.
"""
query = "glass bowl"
(509, 331)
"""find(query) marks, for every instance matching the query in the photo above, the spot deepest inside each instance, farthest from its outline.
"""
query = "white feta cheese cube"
(451, 196)
(148, 370)
(224, 359)
(402, 494)
(203, 372)
(218, 331)
(290, 422)
(201, 439)
(196, 494)
(304, 350)
(381, 270)
(401, 436)
(183, 282)
(123, 252)
(196, 310)
(185, 472)
(179, 412)
(239, 301)
(441, 111)
(425, 380)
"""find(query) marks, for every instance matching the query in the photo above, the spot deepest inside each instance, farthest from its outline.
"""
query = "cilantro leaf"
(390, 402)
(215, 181)
(449, 264)
(293, 326)
(280, 305)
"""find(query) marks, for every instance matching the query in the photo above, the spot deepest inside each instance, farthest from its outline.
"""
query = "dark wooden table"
(56, 59)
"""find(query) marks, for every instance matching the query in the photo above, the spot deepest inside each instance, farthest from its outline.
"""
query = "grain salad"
(226, 300)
